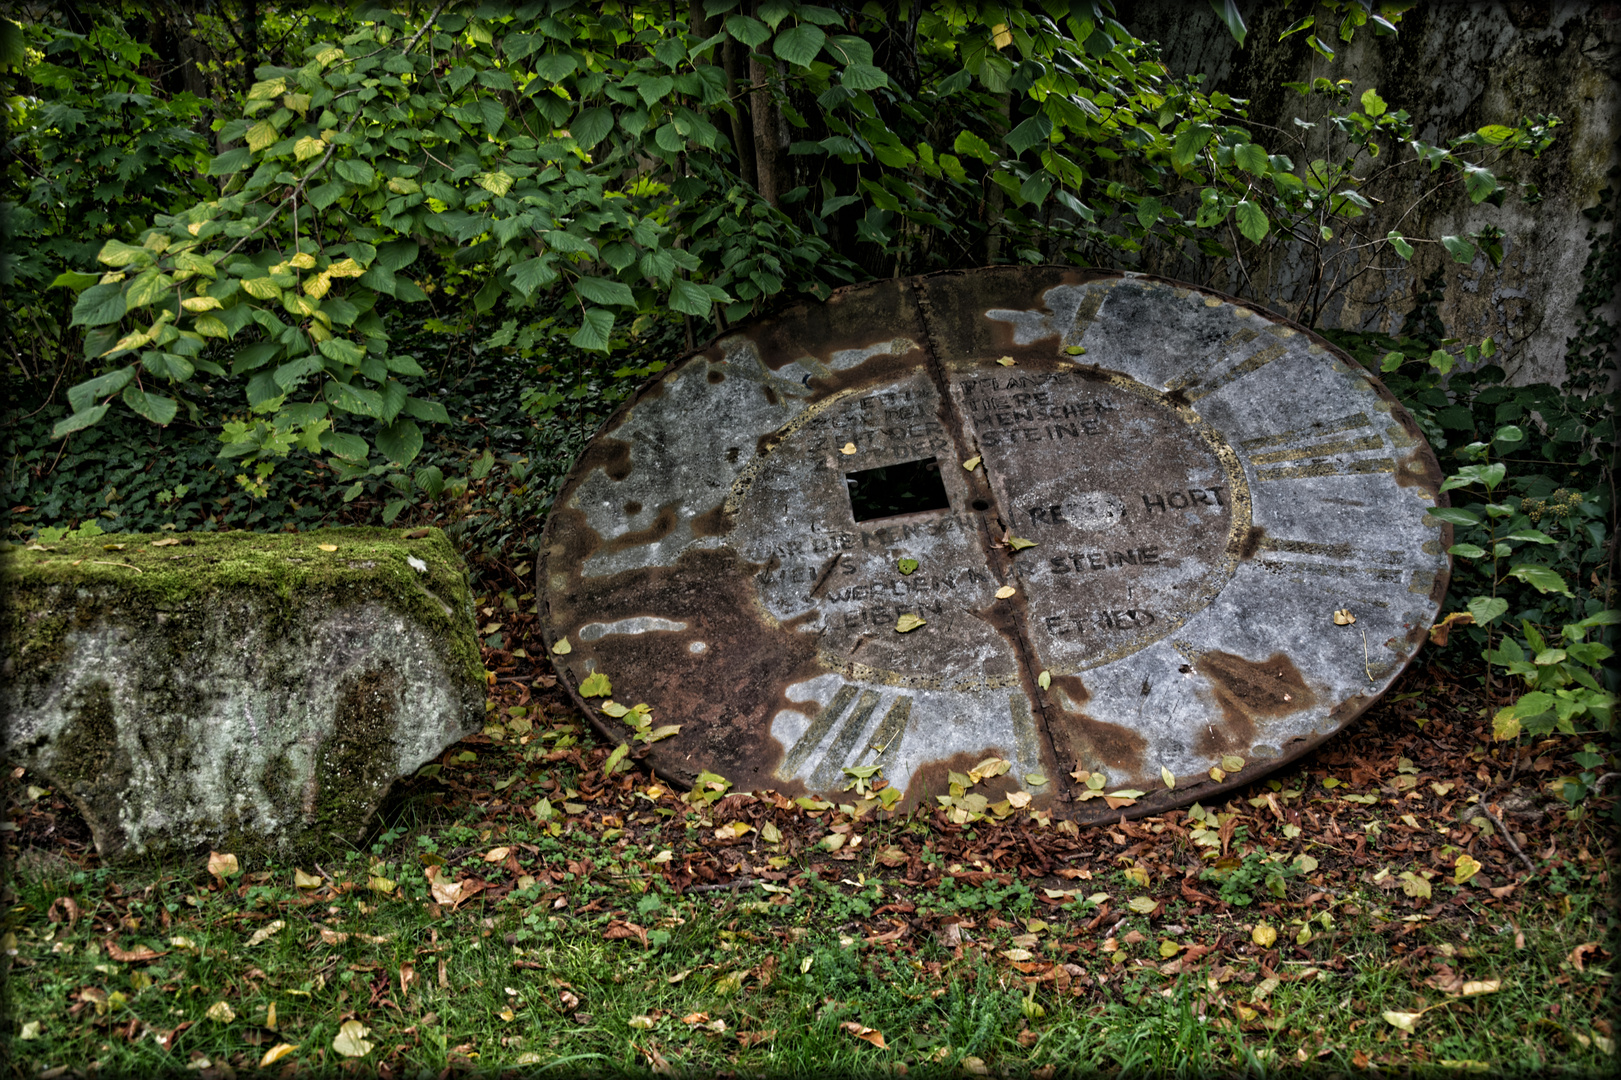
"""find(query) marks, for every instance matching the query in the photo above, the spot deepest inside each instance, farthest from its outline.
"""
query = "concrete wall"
(1454, 67)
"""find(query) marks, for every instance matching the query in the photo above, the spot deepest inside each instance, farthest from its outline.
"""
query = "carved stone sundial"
(1204, 484)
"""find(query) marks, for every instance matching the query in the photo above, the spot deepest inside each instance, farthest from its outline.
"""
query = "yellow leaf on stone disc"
(1005, 361)
(1232, 763)
(1218, 774)
(907, 623)
(1167, 776)
(1018, 543)
(614, 709)
(972, 463)
(848, 448)
(562, 648)
(1034, 779)
(276, 1053)
(1019, 800)
(596, 685)
(1005, 591)
(1044, 680)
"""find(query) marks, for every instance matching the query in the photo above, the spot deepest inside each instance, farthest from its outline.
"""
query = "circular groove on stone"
(1204, 486)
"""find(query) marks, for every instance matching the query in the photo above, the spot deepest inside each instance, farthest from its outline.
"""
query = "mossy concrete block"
(254, 690)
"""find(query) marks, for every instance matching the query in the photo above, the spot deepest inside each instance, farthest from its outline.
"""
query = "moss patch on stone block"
(261, 690)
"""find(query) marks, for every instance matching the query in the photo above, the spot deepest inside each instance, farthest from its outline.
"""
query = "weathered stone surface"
(244, 689)
(1196, 487)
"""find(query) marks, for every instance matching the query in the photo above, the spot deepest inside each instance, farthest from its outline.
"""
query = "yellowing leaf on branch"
(200, 303)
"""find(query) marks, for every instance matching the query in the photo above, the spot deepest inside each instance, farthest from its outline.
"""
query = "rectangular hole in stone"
(912, 487)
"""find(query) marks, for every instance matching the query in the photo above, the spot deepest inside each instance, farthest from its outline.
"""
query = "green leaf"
(1372, 103)
(404, 365)
(598, 290)
(1391, 361)
(74, 280)
(1462, 250)
(230, 162)
(1467, 551)
(592, 335)
(343, 351)
(972, 145)
(689, 299)
(86, 394)
(747, 29)
(1535, 536)
(348, 447)
(1033, 130)
(596, 684)
(863, 77)
(656, 89)
(1540, 578)
(1453, 515)
(1399, 242)
(1227, 11)
(1479, 182)
(592, 126)
(78, 421)
(159, 410)
(1252, 158)
(800, 44)
(1487, 608)
(1189, 142)
(429, 411)
(532, 274)
(400, 441)
(1252, 221)
(99, 305)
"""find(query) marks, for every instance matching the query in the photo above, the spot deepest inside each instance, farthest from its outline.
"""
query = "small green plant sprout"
(1562, 687)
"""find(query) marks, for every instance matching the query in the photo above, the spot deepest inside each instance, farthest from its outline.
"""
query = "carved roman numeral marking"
(1307, 451)
(831, 768)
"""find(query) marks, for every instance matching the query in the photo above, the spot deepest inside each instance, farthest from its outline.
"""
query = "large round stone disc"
(1204, 486)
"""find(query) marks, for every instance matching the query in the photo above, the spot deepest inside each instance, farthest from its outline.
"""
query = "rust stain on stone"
(1248, 691)
(661, 527)
(610, 455)
(1251, 542)
(935, 777)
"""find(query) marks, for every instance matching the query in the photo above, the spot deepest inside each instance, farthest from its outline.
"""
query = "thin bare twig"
(1502, 831)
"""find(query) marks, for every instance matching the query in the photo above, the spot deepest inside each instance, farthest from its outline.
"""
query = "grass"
(562, 940)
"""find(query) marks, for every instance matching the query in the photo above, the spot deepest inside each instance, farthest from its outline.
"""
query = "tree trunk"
(994, 195)
(764, 110)
(732, 58)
